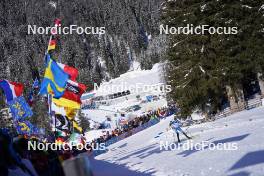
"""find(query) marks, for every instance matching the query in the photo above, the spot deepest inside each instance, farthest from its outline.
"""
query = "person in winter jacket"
(176, 126)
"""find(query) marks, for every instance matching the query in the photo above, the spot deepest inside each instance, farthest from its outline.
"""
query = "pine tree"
(201, 66)
(21, 53)
(84, 122)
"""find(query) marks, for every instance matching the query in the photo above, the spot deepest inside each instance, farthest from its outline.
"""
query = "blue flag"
(19, 108)
(35, 86)
(24, 127)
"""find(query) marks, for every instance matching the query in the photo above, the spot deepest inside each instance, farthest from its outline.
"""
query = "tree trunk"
(236, 99)
(261, 84)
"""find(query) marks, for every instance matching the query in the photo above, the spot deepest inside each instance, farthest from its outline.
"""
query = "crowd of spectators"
(17, 160)
(127, 127)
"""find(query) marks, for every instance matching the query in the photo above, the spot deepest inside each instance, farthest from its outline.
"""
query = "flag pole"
(49, 96)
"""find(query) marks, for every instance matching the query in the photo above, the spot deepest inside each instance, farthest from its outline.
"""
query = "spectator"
(11, 164)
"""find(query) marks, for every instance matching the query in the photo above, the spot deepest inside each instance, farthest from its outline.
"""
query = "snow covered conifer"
(202, 65)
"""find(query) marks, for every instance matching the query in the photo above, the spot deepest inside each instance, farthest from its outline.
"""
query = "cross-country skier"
(176, 126)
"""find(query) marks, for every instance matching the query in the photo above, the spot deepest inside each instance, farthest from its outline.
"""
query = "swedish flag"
(54, 80)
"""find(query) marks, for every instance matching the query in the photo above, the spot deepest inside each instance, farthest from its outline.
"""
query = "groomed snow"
(140, 154)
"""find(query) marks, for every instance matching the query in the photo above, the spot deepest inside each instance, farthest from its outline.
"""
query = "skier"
(176, 126)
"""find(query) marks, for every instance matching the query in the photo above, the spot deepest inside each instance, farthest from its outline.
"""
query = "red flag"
(57, 22)
(73, 72)
(72, 95)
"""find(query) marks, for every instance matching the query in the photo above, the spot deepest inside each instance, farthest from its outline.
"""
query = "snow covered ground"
(136, 81)
(140, 154)
(128, 80)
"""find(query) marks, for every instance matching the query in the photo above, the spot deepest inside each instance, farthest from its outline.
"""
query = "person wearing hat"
(176, 126)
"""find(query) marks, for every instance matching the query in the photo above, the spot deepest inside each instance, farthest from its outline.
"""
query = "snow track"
(141, 152)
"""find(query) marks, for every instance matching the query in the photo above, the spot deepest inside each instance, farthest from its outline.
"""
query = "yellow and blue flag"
(24, 127)
(19, 108)
(55, 79)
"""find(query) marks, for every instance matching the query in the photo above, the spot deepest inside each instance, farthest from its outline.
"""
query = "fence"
(253, 103)
(250, 104)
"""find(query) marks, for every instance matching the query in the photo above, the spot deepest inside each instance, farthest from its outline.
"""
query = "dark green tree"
(84, 122)
(201, 66)
(22, 53)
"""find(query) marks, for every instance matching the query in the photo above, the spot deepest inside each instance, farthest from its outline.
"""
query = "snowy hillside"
(134, 81)
(140, 154)
(129, 79)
